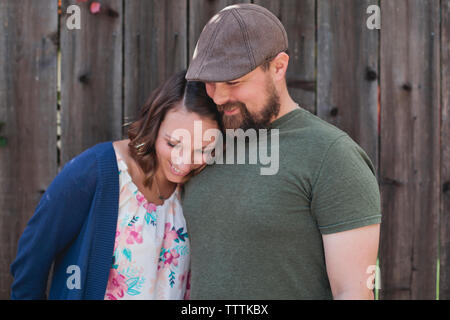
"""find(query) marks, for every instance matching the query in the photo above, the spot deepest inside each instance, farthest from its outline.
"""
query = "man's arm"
(348, 254)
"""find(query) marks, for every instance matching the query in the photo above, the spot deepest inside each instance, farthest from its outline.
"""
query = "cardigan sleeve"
(57, 220)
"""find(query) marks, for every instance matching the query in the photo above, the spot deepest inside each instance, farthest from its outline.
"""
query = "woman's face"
(180, 148)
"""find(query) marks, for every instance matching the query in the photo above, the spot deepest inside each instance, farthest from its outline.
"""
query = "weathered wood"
(91, 78)
(444, 279)
(200, 12)
(274, 6)
(299, 20)
(28, 161)
(347, 51)
(155, 47)
(110, 66)
(410, 149)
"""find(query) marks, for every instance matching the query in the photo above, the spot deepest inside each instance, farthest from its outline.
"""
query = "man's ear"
(279, 66)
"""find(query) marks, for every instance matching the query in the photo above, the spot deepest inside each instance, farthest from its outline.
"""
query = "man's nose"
(219, 94)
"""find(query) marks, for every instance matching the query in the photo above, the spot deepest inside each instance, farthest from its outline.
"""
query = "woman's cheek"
(163, 151)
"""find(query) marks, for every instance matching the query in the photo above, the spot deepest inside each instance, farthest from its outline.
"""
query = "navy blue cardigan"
(74, 225)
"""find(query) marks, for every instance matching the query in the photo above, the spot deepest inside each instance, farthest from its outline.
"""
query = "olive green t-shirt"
(259, 236)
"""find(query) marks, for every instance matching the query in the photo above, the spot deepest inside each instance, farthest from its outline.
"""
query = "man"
(311, 231)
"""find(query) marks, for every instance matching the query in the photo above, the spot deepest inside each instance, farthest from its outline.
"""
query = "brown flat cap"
(235, 42)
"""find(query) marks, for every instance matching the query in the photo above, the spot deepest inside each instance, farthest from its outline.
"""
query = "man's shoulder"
(309, 130)
(322, 140)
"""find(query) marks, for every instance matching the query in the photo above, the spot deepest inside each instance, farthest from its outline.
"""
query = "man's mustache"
(229, 106)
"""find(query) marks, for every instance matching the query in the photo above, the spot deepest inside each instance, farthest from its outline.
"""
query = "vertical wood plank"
(410, 149)
(28, 161)
(91, 78)
(274, 6)
(299, 20)
(200, 12)
(155, 47)
(444, 279)
(347, 88)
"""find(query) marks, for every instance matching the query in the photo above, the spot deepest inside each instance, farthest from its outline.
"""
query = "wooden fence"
(389, 89)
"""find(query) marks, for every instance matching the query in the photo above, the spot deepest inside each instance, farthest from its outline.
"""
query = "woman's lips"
(177, 171)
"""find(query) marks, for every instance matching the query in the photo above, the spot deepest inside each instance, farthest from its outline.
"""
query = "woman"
(111, 221)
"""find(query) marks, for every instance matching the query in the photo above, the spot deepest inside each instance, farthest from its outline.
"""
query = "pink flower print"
(125, 193)
(172, 208)
(133, 205)
(140, 198)
(182, 277)
(152, 286)
(171, 257)
(187, 294)
(169, 235)
(150, 207)
(134, 235)
(116, 287)
(116, 242)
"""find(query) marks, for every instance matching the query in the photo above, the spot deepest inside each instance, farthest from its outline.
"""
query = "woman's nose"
(184, 164)
(185, 168)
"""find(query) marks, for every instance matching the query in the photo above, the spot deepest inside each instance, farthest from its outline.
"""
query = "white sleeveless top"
(151, 251)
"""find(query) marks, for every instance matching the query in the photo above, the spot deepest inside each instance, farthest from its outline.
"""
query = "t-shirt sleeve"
(345, 194)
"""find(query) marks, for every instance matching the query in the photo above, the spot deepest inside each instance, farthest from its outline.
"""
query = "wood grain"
(337, 69)
(410, 148)
(28, 161)
(299, 20)
(155, 47)
(347, 52)
(444, 284)
(91, 78)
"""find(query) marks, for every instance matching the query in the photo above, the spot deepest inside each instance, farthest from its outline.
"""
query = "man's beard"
(245, 120)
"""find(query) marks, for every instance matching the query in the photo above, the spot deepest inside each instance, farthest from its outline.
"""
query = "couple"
(123, 220)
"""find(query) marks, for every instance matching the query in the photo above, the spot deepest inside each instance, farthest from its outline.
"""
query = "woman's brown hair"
(175, 92)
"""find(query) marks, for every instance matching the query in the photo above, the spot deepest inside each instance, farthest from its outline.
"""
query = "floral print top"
(151, 251)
